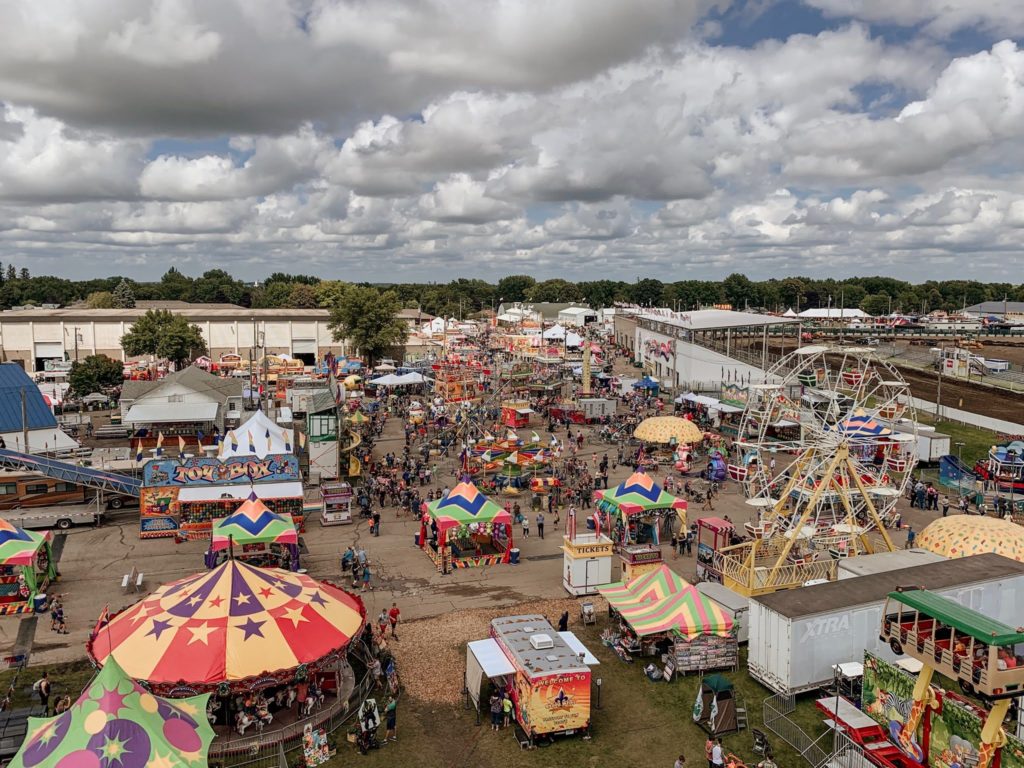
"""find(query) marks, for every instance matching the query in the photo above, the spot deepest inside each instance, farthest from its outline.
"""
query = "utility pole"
(938, 389)
(24, 419)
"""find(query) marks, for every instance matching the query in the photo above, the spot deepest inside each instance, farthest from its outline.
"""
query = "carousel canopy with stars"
(637, 494)
(648, 588)
(232, 623)
(116, 723)
(18, 546)
(687, 613)
(254, 523)
(464, 505)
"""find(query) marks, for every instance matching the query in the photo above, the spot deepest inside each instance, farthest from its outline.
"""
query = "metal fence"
(269, 749)
(776, 711)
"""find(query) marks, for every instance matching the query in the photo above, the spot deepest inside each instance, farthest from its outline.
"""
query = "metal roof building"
(13, 382)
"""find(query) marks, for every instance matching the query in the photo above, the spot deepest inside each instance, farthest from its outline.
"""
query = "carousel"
(465, 529)
(667, 440)
(636, 507)
(259, 638)
(26, 568)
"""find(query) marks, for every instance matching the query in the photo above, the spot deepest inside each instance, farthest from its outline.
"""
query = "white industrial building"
(35, 335)
(699, 351)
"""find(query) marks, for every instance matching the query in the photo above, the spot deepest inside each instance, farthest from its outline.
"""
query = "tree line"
(464, 297)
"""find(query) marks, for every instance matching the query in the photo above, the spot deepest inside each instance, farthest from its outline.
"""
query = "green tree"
(368, 319)
(100, 300)
(23, 274)
(95, 373)
(124, 296)
(556, 290)
(740, 292)
(302, 296)
(174, 285)
(876, 304)
(12, 273)
(514, 287)
(646, 292)
(166, 336)
(329, 292)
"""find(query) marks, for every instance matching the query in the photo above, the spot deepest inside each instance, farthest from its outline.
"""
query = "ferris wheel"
(840, 426)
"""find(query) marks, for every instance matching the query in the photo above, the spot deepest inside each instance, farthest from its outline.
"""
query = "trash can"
(39, 603)
(513, 556)
(416, 539)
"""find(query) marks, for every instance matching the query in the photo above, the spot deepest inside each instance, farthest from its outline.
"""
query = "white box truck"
(732, 602)
(931, 445)
(882, 562)
(797, 635)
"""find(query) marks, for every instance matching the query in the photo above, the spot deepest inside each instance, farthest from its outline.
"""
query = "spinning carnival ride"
(830, 421)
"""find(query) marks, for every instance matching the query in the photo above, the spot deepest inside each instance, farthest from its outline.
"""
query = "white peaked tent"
(789, 313)
(281, 439)
(555, 332)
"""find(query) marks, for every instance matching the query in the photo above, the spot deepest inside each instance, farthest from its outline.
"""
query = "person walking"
(526, 526)
(43, 689)
(540, 524)
(945, 505)
(376, 522)
(709, 748)
(382, 622)
(717, 754)
(496, 711)
(911, 535)
(391, 720)
(680, 761)
(393, 616)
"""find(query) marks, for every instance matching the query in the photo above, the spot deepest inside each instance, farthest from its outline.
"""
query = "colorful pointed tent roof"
(116, 723)
(254, 523)
(639, 493)
(687, 613)
(654, 585)
(231, 623)
(18, 546)
(466, 504)
(860, 424)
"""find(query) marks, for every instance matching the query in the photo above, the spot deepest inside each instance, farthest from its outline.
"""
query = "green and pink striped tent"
(638, 493)
(687, 613)
(650, 587)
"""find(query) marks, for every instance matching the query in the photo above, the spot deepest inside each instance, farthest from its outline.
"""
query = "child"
(366, 576)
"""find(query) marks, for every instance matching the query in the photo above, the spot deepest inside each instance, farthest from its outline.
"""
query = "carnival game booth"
(662, 615)
(26, 568)
(117, 723)
(250, 635)
(465, 529)
(516, 413)
(635, 508)
(256, 535)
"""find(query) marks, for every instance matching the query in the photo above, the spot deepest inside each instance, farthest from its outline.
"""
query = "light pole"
(959, 469)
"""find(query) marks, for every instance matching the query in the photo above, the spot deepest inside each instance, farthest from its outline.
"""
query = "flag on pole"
(534, 437)
(138, 451)
(713, 714)
(698, 705)
(160, 444)
(252, 442)
(510, 435)
(287, 441)
(199, 440)
(103, 620)
(233, 438)
(181, 444)
(302, 440)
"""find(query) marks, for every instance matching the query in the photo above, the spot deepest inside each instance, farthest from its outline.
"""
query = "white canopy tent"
(265, 436)
(484, 658)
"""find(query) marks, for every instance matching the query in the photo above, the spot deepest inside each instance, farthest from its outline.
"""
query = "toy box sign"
(205, 470)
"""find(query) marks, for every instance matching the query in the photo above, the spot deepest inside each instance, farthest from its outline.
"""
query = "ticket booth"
(586, 563)
(638, 559)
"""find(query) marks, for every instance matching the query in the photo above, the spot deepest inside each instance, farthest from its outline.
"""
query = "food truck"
(550, 687)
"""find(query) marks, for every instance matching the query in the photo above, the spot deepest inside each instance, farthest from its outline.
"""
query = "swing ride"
(834, 410)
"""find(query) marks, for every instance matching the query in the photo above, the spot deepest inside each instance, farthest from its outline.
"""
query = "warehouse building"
(33, 336)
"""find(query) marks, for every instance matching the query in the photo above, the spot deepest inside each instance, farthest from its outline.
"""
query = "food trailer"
(336, 503)
(550, 688)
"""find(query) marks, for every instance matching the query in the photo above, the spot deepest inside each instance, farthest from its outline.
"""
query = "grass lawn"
(65, 679)
(976, 441)
(639, 724)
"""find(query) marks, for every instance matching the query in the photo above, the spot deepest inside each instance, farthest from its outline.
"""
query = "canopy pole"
(231, 547)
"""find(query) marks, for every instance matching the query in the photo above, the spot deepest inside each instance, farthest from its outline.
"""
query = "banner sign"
(206, 470)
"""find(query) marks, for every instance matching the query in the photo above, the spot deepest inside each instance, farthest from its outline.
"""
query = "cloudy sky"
(433, 139)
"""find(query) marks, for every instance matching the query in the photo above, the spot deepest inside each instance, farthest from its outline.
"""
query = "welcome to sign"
(206, 470)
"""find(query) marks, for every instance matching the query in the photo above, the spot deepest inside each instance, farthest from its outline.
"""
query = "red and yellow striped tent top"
(231, 623)
(687, 613)
(654, 585)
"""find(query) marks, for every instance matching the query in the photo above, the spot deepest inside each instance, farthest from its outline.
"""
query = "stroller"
(369, 722)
